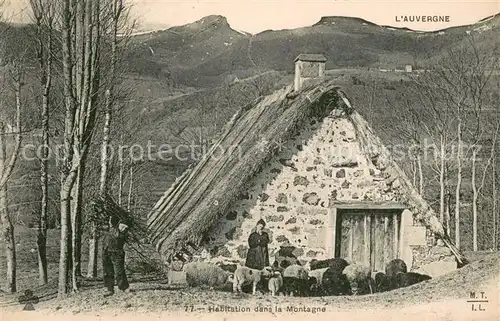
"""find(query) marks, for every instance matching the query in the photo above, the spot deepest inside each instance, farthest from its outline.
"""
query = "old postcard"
(238, 159)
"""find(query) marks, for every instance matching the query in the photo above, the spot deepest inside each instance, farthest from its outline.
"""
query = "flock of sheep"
(318, 278)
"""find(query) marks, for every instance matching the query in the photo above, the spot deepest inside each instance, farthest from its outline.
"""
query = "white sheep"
(203, 273)
(295, 271)
(245, 274)
(318, 274)
(275, 283)
(359, 277)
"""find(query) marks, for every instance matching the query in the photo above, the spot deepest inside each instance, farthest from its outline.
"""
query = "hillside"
(206, 50)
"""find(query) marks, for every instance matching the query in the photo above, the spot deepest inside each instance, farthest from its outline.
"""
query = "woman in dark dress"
(258, 253)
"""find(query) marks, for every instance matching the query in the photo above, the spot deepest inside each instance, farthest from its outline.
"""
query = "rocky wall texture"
(293, 191)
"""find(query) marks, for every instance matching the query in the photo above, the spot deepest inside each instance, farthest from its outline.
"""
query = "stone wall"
(292, 193)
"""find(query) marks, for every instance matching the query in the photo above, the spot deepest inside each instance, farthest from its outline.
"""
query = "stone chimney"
(309, 70)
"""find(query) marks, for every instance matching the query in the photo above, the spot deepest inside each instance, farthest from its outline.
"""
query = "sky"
(257, 15)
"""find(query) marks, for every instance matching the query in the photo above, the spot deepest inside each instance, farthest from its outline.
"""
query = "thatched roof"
(205, 192)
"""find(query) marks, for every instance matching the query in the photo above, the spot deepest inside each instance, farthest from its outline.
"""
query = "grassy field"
(153, 295)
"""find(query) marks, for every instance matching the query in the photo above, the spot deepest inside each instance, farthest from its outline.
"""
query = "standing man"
(113, 256)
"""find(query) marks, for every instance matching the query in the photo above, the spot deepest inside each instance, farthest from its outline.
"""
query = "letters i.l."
(478, 307)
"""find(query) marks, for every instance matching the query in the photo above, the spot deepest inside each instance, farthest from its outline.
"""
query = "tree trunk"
(104, 149)
(42, 223)
(76, 227)
(447, 203)
(5, 173)
(414, 172)
(120, 181)
(65, 237)
(41, 242)
(65, 258)
(494, 192)
(420, 176)
(93, 246)
(458, 187)
(7, 227)
(68, 167)
(441, 182)
(474, 202)
(129, 200)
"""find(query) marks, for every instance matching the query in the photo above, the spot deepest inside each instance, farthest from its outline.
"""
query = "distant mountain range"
(205, 52)
(208, 52)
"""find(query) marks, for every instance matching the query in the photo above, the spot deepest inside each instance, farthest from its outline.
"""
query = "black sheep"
(402, 280)
(284, 257)
(382, 282)
(298, 287)
(281, 265)
(395, 266)
(335, 283)
(337, 263)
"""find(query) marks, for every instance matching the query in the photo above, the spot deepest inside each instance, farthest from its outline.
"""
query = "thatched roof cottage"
(308, 164)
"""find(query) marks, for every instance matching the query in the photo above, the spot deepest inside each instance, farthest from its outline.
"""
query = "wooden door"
(368, 237)
(385, 239)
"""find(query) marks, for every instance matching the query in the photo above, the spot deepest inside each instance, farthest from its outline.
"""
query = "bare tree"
(70, 163)
(81, 48)
(7, 164)
(457, 85)
(481, 77)
(43, 17)
(429, 118)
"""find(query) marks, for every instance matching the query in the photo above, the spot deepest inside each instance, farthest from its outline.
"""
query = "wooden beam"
(373, 245)
(351, 238)
(396, 236)
(402, 235)
(366, 228)
(385, 244)
(379, 242)
(369, 205)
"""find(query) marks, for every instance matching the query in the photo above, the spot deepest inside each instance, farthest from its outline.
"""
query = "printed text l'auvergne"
(422, 18)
